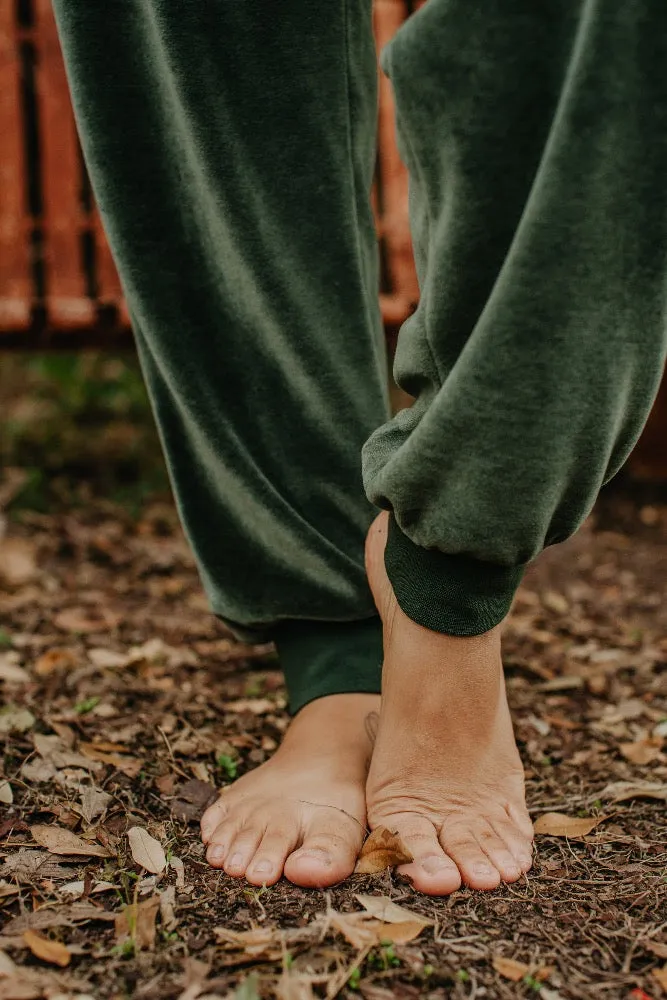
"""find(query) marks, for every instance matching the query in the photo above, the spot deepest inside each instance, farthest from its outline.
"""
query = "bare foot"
(302, 813)
(446, 772)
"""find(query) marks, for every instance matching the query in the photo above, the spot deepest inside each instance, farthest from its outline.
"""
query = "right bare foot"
(446, 773)
(302, 813)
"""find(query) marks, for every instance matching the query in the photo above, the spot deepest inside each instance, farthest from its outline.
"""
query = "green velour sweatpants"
(231, 146)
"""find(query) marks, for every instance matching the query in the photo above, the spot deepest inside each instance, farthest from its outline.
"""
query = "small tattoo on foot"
(371, 723)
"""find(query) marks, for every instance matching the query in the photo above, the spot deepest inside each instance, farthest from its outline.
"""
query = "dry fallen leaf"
(146, 850)
(621, 791)
(137, 921)
(656, 947)
(384, 909)
(641, 751)
(7, 967)
(93, 803)
(57, 840)
(257, 706)
(53, 660)
(127, 765)
(17, 561)
(560, 825)
(85, 620)
(10, 670)
(6, 793)
(383, 849)
(74, 890)
(509, 968)
(49, 951)
(661, 976)
(177, 865)
(167, 905)
(362, 930)
(15, 720)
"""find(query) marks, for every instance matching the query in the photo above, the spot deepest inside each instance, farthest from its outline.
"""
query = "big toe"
(326, 856)
(431, 871)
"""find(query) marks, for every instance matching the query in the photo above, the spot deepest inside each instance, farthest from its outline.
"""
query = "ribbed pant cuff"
(322, 658)
(456, 595)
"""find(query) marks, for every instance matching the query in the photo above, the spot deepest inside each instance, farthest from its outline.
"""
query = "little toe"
(476, 869)
(220, 841)
(268, 860)
(498, 853)
(432, 871)
(241, 851)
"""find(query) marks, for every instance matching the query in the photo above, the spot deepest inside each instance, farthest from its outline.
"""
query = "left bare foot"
(446, 773)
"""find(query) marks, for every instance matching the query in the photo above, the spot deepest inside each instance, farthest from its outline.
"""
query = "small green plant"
(547, 761)
(384, 959)
(125, 949)
(534, 984)
(355, 979)
(170, 936)
(87, 705)
(255, 687)
(463, 976)
(597, 804)
(427, 971)
(227, 764)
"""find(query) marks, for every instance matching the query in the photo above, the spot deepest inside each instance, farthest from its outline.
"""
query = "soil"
(115, 679)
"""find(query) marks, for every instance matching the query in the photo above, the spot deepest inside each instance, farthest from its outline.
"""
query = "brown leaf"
(6, 793)
(257, 706)
(621, 791)
(641, 752)
(86, 620)
(16, 720)
(26, 865)
(401, 933)
(127, 765)
(192, 799)
(7, 967)
(167, 904)
(17, 561)
(661, 976)
(560, 825)
(383, 908)
(356, 928)
(656, 947)
(53, 660)
(49, 951)
(10, 670)
(382, 850)
(509, 968)
(68, 915)
(146, 850)
(137, 921)
(60, 841)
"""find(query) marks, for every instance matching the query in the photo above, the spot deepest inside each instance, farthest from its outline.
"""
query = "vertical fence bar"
(389, 15)
(16, 290)
(68, 305)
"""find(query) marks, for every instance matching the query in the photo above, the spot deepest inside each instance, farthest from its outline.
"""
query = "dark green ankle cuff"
(321, 658)
(456, 595)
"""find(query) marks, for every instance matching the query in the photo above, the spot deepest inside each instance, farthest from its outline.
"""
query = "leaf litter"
(114, 721)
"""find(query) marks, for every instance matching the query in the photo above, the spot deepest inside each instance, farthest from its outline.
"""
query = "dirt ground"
(125, 704)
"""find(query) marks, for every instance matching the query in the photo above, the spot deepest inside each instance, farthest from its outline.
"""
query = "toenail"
(216, 854)
(317, 853)
(236, 861)
(262, 866)
(433, 865)
(483, 870)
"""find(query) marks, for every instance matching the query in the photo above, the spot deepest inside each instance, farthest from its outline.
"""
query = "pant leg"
(536, 138)
(231, 149)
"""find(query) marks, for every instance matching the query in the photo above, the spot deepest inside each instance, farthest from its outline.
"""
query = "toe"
(431, 871)
(520, 848)
(212, 818)
(268, 861)
(242, 850)
(220, 841)
(476, 869)
(326, 857)
(498, 853)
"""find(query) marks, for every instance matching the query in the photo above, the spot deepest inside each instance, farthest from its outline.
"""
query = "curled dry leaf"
(49, 951)
(54, 660)
(362, 930)
(146, 850)
(177, 865)
(560, 825)
(382, 850)
(57, 840)
(74, 890)
(137, 921)
(93, 803)
(621, 791)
